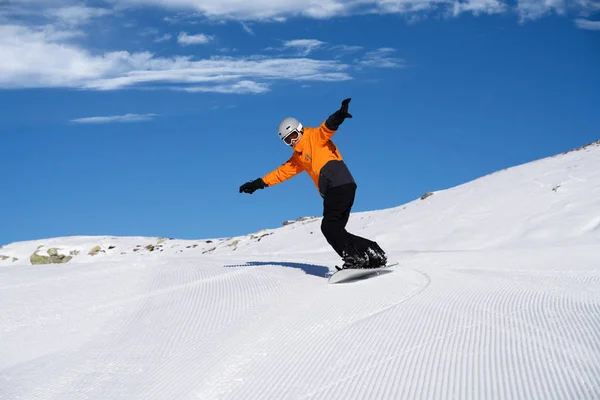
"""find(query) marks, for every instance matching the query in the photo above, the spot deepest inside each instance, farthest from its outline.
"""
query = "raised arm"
(326, 130)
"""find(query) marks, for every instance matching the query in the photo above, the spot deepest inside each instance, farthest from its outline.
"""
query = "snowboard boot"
(353, 259)
(376, 256)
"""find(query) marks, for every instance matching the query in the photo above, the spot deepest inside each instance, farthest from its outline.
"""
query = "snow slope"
(497, 297)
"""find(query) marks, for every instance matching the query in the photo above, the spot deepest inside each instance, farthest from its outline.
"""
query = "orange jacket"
(311, 153)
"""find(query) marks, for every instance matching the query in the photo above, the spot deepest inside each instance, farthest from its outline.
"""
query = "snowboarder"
(315, 153)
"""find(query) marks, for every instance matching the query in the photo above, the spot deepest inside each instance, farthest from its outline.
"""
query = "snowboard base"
(350, 274)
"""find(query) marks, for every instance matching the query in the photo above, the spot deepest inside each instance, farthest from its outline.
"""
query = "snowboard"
(348, 275)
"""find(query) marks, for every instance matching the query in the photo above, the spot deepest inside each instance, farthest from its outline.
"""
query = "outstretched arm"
(331, 125)
(286, 171)
(283, 173)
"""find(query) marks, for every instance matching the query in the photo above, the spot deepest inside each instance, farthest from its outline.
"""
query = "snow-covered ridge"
(496, 296)
(549, 201)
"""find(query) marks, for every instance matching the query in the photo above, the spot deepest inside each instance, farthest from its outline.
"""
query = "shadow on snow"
(310, 269)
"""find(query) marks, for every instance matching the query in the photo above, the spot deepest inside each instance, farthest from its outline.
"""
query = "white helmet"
(290, 131)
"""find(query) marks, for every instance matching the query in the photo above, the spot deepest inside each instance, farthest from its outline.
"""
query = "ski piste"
(351, 274)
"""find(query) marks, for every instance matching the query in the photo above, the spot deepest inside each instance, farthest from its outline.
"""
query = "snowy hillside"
(497, 296)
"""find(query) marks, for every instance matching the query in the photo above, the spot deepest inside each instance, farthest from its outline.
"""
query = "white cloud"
(77, 15)
(304, 46)
(381, 58)
(479, 7)
(59, 12)
(190, 11)
(187, 40)
(280, 10)
(249, 10)
(34, 58)
(587, 24)
(534, 9)
(247, 28)
(115, 119)
(241, 87)
(164, 38)
(342, 48)
(587, 7)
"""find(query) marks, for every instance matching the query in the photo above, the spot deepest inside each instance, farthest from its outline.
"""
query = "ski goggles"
(294, 135)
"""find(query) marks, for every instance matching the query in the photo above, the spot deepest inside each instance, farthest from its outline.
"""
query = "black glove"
(250, 187)
(335, 120)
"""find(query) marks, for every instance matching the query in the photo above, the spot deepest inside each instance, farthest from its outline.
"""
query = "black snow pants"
(337, 204)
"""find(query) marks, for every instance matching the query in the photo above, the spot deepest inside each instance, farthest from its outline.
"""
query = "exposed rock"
(52, 258)
(3, 258)
(209, 241)
(161, 241)
(150, 247)
(301, 219)
(426, 195)
(596, 143)
(555, 188)
(95, 251)
(209, 250)
(259, 235)
(74, 252)
(111, 247)
(36, 259)
(15, 259)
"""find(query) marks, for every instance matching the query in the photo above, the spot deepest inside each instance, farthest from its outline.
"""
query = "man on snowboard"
(315, 153)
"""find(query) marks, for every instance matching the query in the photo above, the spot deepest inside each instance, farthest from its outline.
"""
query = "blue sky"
(143, 117)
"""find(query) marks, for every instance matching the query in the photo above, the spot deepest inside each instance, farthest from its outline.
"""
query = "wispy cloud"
(381, 58)
(241, 87)
(190, 11)
(78, 15)
(247, 28)
(587, 24)
(56, 12)
(342, 48)
(187, 40)
(33, 58)
(115, 119)
(477, 7)
(535, 9)
(272, 10)
(303, 46)
(164, 38)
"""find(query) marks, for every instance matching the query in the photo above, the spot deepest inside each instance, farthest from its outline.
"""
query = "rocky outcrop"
(259, 235)
(426, 195)
(301, 219)
(95, 250)
(584, 147)
(52, 256)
